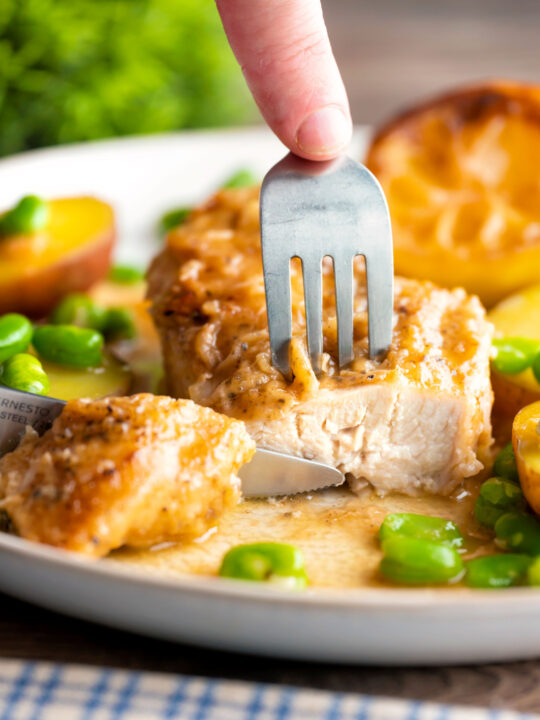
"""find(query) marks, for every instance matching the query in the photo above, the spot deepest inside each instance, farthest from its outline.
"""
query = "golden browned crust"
(208, 303)
(125, 470)
(478, 102)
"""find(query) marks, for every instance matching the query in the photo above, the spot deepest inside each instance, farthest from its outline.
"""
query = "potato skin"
(491, 274)
(71, 253)
(37, 293)
(510, 397)
(525, 440)
(516, 316)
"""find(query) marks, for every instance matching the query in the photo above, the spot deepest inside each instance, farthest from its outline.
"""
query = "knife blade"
(273, 473)
(269, 473)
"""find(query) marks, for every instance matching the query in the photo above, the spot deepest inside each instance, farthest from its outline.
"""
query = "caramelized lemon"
(461, 175)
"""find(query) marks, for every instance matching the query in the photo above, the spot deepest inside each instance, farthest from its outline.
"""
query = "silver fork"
(311, 210)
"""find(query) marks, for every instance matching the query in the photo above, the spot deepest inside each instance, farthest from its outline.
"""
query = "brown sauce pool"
(336, 530)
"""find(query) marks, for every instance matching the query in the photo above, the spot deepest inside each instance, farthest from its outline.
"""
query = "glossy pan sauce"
(336, 529)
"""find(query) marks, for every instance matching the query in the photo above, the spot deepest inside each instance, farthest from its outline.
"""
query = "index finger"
(286, 57)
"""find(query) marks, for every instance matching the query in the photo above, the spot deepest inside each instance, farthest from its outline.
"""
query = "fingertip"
(323, 133)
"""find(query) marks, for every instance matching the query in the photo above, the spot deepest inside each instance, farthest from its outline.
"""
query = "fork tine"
(277, 276)
(380, 292)
(343, 283)
(310, 210)
(312, 273)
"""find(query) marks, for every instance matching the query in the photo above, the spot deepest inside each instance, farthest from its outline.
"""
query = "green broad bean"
(125, 275)
(423, 527)
(242, 178)
(410, 561)
(486, 513)
(29, 215)
(497, 571)
(518, 532)
(503, 495)
(69, 345)
(505, 464)
(514, 355)
(536, 367)
(24, 372)
(266, 562)
(533, 574)
(15, 335)
(173, 219)
(80, 310)
(119, 324)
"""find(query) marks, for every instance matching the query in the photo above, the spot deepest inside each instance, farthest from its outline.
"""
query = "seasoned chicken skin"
(417, 421)
(124, 471)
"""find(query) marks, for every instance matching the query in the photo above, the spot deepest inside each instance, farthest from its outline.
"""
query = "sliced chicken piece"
(417, 421)
(124, 471)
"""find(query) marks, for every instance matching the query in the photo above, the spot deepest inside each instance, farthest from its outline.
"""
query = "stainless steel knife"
(269, 473)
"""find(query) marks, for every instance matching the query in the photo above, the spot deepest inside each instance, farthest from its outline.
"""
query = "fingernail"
(325, 131)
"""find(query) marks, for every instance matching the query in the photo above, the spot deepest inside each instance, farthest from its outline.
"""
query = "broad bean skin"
(15, 335)
(80, 310)
(69, 345)
(24, 372)
(422, 527)
(265, 562)
(505, 464)
(497, 571)
(29, 215)
(411, 561)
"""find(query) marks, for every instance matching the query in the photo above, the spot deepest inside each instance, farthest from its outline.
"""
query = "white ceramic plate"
(142, 178)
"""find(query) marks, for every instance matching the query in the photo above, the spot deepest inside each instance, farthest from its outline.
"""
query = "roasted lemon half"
(462, 178)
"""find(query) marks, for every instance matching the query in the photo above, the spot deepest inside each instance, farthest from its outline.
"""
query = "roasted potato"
(517, 316)
(143, 353)
(526, 443)
(110, 294)
(68, 383)
(461, 176)
(71, 253)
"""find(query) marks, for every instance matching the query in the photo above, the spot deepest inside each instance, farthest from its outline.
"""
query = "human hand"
(285, 54)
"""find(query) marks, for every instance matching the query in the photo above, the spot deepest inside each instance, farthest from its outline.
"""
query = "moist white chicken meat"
(416, 421)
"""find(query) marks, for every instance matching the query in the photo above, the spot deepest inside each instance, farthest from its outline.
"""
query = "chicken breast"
(419, 420)
(125, 470)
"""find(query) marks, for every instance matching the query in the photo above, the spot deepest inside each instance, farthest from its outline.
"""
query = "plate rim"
(361, 598)
(360, 133)
(143, 138)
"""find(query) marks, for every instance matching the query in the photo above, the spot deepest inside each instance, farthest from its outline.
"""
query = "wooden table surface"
(391, 53)
(30, 632)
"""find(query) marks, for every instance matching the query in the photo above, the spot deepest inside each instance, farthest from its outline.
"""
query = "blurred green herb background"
(73, 70)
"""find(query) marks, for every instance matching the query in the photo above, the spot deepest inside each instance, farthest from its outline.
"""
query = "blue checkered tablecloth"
(43, 691)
